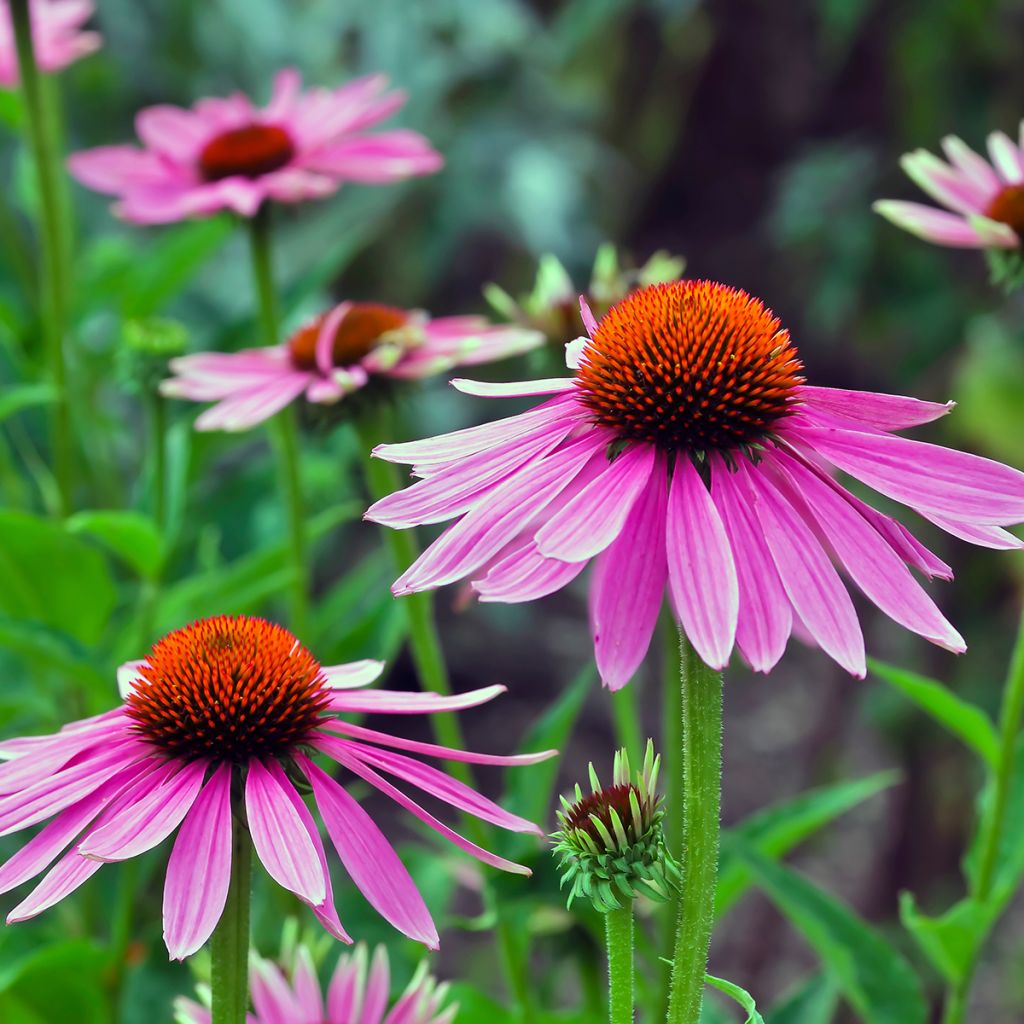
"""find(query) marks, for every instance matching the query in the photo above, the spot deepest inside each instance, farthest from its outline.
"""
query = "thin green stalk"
(1010, 717)
(284, 429)
(618, 930)
(383, 478)
(157, 408)
(41, 126)
(229, 945)
(701, 689)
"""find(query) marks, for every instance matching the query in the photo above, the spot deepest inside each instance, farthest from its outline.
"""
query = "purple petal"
(701, 571)
(628, 585)
(407, 702)
(194, 900)
(63, 879)
(512, 389)
(280, 838)
(886, 412)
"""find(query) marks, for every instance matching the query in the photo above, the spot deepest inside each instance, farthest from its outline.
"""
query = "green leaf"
(45, 647)
(871, 973)
(814, 1002)
(742, 996)
(133, 537)
(50, 577)
(531, 791)
(25, 396)
(966, 721)
(776, 830)
(950, 941)
(244, 585)
(60, 982)
(477, 1008)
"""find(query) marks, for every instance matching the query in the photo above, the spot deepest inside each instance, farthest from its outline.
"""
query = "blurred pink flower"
(687, 451)
(57, 36)
(358, 994)
(334, 355)
(227, 705)
(228, 154)
(987, 198)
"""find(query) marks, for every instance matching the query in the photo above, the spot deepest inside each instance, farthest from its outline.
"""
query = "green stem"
(157, 407)
(41, 126)
(701, 689)
(284, 429)
(618, 930)
(1010, 717)
(383, 478)
(229, 945)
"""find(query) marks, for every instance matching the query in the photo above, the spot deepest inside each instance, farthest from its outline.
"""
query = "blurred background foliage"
(747, 135)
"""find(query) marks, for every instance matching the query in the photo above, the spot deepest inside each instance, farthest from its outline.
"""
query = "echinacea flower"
(58, 38)
(222, 719)
(227, 154)
(336, 354)
(553, 306)
(359, 993)
(986, 197)
(688, 452)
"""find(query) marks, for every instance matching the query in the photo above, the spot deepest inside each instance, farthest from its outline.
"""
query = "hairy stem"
(618, 930)
(229, 944)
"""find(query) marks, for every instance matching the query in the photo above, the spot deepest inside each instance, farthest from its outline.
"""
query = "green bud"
(611, 844)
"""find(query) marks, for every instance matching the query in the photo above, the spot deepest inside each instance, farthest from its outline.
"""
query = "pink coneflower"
(221, 707)
(57, 36)
(987, 198)
(359, 993)
(228, 154)
(687, 450)
(338, 353)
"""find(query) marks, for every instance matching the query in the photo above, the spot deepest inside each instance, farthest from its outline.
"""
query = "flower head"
(610, 843)
(985, 197)
(223, 719)
(57, 36)
(553, 305)
(687, 453)
(359, 993)
(334, 356)
(229, 154)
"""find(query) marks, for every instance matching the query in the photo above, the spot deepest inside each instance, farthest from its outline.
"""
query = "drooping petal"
(71, 871)
(701, 570)
(279, 836)
(765, 618)
(407, 702)
(512, 389)
(876, 568)
(984, 536)
(886, 412)
(194, 900)
(353, 675)
(524, 574)
(812, 584)
(628, 585)
(370, 859)
(944, 228)
(595, 516)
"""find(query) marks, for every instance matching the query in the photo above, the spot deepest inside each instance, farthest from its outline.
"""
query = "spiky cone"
(611, 844)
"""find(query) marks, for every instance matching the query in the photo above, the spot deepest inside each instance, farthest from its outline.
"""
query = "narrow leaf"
(814, 1002)
(951, 941)
(740, 995)
(131, 536)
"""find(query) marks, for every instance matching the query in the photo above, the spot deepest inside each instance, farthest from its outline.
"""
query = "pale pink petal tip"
(589, 320)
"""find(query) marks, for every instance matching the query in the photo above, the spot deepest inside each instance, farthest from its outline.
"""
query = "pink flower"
(358, 994)
(57, 36)
(221, 707)
(334, 355)
(987, 198)
(687, 452)
(228, 154)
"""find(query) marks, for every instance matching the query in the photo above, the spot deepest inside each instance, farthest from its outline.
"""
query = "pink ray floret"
(687, 456)
(219, 722)
(350, 348)
(983, 198)
(359, 992)
(58, 37)
(228, 154)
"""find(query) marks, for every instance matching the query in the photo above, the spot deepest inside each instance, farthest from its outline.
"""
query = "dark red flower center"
(357, 335)
(600, 805)
(248, 152)
(1007, 207)
(228, 688)
(690, 365)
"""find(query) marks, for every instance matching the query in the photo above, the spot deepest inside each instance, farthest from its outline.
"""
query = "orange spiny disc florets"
(247, 152)
(690, 365)
(357, 335)
(229, 688)
(1007, 207)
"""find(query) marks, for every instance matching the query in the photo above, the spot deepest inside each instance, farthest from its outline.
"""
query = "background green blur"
(749, 136)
